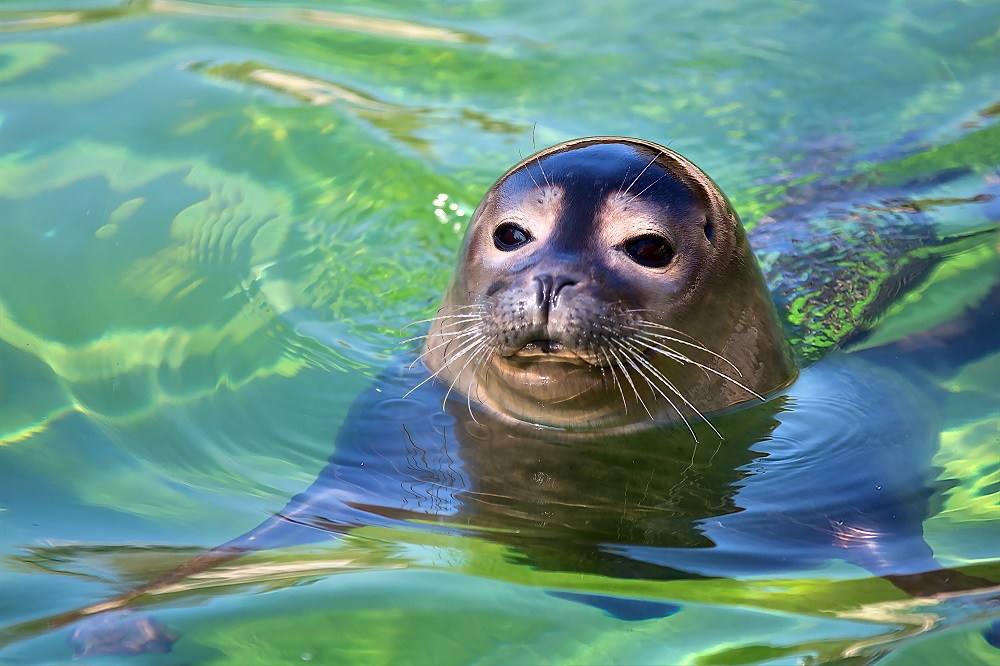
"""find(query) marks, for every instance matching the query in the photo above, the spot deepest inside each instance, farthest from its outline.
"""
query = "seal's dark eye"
(509, 237)
(650, 251)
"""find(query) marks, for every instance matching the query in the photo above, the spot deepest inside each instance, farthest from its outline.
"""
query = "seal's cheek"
(496, 287)
(660, 289)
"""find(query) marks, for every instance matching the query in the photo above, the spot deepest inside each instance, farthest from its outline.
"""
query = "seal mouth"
(542, 348)
(546, 350)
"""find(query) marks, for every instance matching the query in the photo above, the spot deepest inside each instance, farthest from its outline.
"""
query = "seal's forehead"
(599, 168)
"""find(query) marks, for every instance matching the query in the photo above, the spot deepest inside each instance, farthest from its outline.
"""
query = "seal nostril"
(543, 289)
(547, 289)
(560, 284)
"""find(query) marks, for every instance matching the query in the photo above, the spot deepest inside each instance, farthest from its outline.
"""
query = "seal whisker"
(681, 358)
(603, 327)
(467, 340)
(482, 343)
(655, 324)
(636, 180)
(621, 191)
(544, 177)
(659, 326)
(452, 320)
(658, 375)
(628, 377)
(452, 337)
(468, 398)
(438, 316)
(440, 332)
(637, 354)
(427, 379)
(537, 160)
(528, 171)
(467, 306)
(496, 350)
(639, 193)
(660, 336)
(485, 354)
(670, 385)
(472, 345)
(441, 318)
(690, 339)
(614, 377)
(654, 344)
(644, 327)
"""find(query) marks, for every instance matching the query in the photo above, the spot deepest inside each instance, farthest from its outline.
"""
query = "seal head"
(607, 283)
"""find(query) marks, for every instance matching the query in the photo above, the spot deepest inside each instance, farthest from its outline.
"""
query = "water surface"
(217, 217)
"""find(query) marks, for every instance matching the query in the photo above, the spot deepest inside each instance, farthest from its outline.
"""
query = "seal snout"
(547, 291)
(542, 317)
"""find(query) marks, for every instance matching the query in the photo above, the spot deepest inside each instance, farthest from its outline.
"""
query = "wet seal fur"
(628, 296)
(606, 299)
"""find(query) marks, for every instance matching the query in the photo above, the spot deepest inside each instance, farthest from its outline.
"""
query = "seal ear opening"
(710, 231)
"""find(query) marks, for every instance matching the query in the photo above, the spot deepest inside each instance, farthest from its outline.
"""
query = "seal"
(607, 283)
(605, 312)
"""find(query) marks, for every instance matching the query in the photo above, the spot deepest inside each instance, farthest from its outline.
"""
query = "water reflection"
(359, 23)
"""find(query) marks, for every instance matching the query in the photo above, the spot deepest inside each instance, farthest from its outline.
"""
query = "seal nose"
(547, 289)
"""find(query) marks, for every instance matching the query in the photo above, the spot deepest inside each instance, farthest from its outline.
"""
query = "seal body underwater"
(606, 301)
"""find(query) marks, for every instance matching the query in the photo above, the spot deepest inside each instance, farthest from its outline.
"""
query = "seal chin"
(555, 391)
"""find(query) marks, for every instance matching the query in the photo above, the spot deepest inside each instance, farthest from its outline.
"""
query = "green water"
(217, 217)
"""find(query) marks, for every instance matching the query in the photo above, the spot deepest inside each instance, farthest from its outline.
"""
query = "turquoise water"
(217, 217)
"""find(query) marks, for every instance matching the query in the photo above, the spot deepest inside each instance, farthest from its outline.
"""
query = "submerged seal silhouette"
(607, 283)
